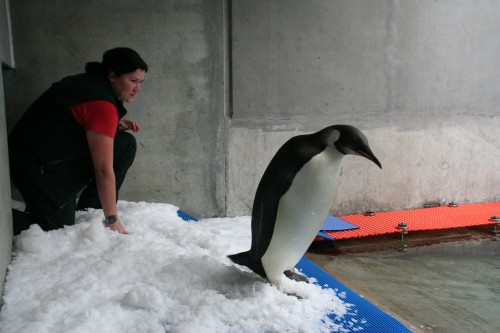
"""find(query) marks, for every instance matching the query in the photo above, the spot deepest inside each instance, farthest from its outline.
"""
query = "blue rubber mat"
(325, 236)
(363, 316)
(185, 216)
(333, 223)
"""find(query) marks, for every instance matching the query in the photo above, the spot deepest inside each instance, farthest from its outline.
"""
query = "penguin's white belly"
(301, 212)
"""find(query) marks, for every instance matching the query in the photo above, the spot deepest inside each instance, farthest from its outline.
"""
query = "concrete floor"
(445, 288)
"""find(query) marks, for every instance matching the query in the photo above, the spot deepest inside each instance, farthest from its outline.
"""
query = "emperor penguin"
(294, 198)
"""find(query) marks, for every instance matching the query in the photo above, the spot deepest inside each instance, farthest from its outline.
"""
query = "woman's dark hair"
(119, 60)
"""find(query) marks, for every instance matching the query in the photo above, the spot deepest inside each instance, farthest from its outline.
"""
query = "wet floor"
(445, 288)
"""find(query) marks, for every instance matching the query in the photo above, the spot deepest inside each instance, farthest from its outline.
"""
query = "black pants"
(40, 210)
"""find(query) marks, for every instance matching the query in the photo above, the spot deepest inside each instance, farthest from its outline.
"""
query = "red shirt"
(97, 116)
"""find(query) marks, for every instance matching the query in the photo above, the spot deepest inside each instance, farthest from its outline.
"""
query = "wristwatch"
(111, 219)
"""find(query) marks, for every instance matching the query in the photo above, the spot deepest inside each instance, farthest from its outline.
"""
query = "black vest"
(47, 143)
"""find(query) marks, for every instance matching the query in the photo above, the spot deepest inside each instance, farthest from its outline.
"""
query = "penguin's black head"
(349, 140)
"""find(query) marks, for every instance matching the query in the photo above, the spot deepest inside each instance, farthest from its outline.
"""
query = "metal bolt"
(369, 212)
(402, 226)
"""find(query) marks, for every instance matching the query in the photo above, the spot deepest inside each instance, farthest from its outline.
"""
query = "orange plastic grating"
(444, 217)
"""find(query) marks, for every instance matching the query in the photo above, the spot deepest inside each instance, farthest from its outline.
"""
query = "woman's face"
(127, 85)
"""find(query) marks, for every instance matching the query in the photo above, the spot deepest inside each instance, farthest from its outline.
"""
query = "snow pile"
(167, 275)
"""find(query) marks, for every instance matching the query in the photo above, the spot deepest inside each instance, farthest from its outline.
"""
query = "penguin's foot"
(277, 283)
(296, 276)
(294, 295)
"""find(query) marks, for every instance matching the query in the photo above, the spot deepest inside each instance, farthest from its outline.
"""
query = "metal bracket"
(494, 231)
(403, 228)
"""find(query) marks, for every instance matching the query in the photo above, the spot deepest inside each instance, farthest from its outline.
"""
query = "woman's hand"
(126, 124)
(118, 226)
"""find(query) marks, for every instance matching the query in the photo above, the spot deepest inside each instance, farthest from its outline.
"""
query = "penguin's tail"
(242, 258)
(245, 259)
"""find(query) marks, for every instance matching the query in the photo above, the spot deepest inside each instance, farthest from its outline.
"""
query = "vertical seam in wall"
(228, 61)
(228, 90)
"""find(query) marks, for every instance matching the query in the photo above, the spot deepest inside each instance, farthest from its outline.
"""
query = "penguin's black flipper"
(244, 258)
(296, 276)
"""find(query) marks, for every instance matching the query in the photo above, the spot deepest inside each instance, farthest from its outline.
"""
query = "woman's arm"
(101, 149)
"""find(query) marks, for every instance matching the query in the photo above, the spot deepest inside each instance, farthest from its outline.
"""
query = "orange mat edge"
(420, 219)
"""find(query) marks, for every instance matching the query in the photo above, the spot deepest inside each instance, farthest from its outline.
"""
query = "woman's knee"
(125, 146)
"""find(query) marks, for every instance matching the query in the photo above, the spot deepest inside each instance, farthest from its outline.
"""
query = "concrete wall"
(180, 156)
(5, 195)
(420, 78)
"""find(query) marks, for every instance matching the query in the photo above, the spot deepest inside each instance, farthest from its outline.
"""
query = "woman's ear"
(112, 76)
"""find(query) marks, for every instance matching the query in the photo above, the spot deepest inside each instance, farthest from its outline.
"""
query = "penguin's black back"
(275, 182)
